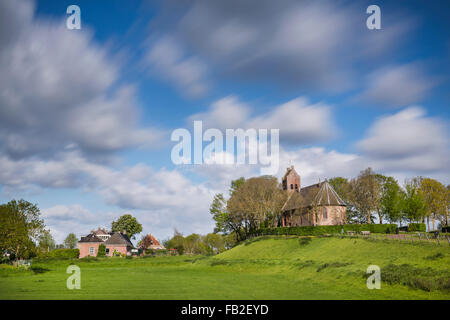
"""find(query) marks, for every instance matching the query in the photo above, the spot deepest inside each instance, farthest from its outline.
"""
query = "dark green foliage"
(60, 254)
(38, 270)
(419, 227)
(426, 279)
(435, 256)
(332, 265)
(101, 250)
(128, 223)
(71, 241)
(218, 262)
(322, 230)
(304, 241)
(307, 263)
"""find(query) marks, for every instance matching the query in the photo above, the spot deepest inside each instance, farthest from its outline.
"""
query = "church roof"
(288, 172)
(319, 194)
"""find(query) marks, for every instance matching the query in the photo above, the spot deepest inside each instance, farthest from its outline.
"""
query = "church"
(314, 205)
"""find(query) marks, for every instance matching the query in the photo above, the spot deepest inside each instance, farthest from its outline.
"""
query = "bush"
(101, 250)
(322, 230)
(417, 227)
(304, 241)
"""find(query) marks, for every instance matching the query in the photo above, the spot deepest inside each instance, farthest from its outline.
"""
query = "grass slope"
(265, 268)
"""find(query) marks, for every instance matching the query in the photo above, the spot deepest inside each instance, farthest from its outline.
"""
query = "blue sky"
(86, 115)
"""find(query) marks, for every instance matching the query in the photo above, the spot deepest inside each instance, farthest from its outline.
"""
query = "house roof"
(118, 238)
(100, 231)
(149, 241)
(319, 194)
(90, 238)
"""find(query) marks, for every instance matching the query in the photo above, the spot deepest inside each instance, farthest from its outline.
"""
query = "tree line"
(211, 243)
(257, 202)
(372, 195)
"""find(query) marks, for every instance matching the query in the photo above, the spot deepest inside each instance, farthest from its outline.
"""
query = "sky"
(86, 115)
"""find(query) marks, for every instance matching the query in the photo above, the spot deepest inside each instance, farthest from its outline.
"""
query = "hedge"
(420, 227)
(61, 254)
(321, 230)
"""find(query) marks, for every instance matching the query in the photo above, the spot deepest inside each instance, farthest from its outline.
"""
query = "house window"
(325, 213)
(292, 186)
(91, 250)
(107, 251)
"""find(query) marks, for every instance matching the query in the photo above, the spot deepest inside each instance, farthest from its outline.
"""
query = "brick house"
(114, 242)
(314, 205)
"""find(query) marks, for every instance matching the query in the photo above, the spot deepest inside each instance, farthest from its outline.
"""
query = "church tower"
(291, 180)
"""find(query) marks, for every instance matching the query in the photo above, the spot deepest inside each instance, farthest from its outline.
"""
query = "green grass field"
(264, 268)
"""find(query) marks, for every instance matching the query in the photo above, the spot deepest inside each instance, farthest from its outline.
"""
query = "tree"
(101, 250)
(215, 242)
(176, 242)
(366, 194)
(391, 199)
(256, 201)
(20, 227)
(235, 184)
(435, 195)
(192, 244)
(413, 205)
(225, 222)
(219, 213)
(129, 223)
(71, 241)
(46, 241)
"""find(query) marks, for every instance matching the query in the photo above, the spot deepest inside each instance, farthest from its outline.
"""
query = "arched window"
(292, 186)
(296, 186)
(325, 216)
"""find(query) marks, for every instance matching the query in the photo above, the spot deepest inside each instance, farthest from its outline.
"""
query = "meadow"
(267, 267)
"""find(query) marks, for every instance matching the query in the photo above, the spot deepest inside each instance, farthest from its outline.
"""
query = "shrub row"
(419, 227)
(60, 254)
(321, 230)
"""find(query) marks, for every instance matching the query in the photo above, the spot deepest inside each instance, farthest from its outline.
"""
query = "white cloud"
(167, 196)
(264, 41)
(314, 164)
(167, 60)
(299, 121)
(408, 141)
(57, 93)
(397, 86)
(225, 113)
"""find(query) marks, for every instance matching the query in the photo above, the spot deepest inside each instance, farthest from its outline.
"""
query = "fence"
(419, 237)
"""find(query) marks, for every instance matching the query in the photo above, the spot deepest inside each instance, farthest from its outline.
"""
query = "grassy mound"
(262, 268)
